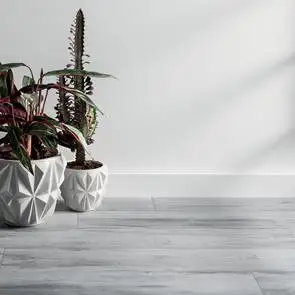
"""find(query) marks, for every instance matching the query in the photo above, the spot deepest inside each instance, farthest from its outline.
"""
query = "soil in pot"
(86, 166)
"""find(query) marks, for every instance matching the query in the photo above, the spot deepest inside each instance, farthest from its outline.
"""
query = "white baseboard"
(201, 185)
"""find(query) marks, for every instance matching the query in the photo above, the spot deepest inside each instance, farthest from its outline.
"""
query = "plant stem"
(29, 145)
(45, 98)
(40, 92)
(80, 106)
(31, 73)
(29, 137)
(80, 155)
(12, 111)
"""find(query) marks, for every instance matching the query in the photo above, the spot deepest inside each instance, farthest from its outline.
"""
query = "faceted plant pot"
(83, 190)
(26, 199)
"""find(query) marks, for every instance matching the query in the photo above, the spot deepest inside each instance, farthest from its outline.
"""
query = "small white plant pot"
(83, 190)
(26, 199)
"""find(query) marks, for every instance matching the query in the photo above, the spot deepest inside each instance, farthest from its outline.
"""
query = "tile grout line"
(154, 203)
(260, 288)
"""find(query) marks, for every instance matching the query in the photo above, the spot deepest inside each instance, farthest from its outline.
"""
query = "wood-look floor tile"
(154, 238)
(176, 217)
(89, 281)
(161, 260)
(155, 246)
(189, 204)
(1, 256)
(63, 219)
(276, 283)
(126, 204)
(227, 218)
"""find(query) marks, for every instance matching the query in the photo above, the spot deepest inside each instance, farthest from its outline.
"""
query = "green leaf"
(18, 149)
(37, 87)
(3, 87)
(72, 131)
(12, 110)
(48, 120)
(27, 81)
(28, 100)
(6, 67)
(10, 82)
(49, 141)
(4, 128)
(23, 157)
(77, 135)
(83, 97)
(91, 119)
(4, 140)
(73, 91)
(75, 72)
(40, 129)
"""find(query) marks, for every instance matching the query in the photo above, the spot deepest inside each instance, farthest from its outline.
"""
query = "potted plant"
(85, 180)
(31, 168)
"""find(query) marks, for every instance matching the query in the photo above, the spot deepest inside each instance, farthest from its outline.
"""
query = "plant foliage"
(30, 133)
(72, 108)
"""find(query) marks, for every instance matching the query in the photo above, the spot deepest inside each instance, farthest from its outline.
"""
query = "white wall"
(205, 86)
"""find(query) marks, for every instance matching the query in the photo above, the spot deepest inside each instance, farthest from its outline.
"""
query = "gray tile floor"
(155, 246)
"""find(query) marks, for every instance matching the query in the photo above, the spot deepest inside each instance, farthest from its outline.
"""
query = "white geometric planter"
(26, 199)
(83, 190)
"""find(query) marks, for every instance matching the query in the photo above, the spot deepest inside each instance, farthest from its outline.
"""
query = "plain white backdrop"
(206, 87)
